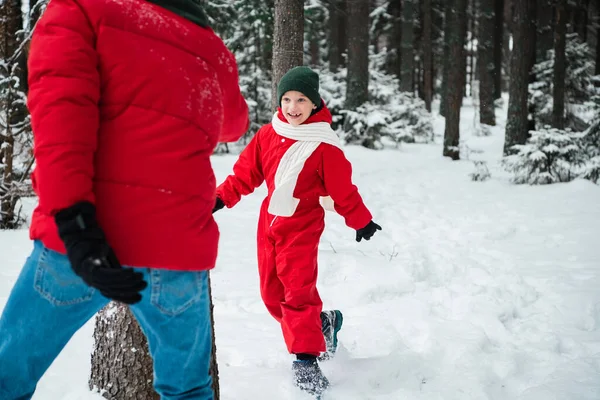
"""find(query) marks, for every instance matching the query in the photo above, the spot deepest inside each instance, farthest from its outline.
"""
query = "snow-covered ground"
(473, 290)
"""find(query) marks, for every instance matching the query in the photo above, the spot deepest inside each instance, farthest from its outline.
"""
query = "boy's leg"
(296, 263)
(47, 305)
(271, 288)
(175, 316)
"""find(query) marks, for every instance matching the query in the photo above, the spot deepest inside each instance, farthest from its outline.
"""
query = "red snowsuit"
(287, 247)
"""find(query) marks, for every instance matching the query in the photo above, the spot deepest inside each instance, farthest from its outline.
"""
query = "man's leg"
(175, 316)
(47, 305)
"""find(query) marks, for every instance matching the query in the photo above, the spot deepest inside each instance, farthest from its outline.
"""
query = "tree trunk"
(597, 67)
(545, 38)
(558, 92)
(446, 51)
(456, 31)
(470, 22)
(427, 49)
(581, 19)
(531, 52)
(506, 50)
(498, 35)
(288, 40)
(342, 30)
(395, 40)
(486, 68)
(334, 52)
(214, 365)
(358, 54)
(121, 363)
(517, 124)
(407, 56)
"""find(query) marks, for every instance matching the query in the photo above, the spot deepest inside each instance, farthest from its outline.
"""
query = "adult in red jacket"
(300, 159)
(127, 101)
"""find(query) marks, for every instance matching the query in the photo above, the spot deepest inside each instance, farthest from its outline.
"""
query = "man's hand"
(93, 259)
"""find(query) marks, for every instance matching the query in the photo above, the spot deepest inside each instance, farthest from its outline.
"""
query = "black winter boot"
(331, 324)
(309, 377)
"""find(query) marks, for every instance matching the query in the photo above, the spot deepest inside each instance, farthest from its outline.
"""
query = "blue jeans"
(49, 303)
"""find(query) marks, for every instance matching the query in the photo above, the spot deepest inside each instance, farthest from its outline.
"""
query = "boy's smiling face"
(296, 107)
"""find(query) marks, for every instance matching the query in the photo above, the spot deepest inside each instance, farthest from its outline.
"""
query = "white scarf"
(308, 137)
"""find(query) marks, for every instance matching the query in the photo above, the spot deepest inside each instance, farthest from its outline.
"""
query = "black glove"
(218, 205)
(367, 232)
(92, 258)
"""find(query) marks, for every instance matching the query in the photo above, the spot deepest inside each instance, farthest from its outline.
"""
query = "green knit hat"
(303, 80)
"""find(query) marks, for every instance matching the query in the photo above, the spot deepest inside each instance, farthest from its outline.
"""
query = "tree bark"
(358, 54)
(517, 124)
(407, 56)
(288, 40)
(427, 48)
(498, 35)
(486, 67)
(558, 92)
(456, 30)
(121, 363)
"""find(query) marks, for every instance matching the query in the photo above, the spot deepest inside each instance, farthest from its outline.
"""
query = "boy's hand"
(367, 232)
(91, 257)
(218, 205)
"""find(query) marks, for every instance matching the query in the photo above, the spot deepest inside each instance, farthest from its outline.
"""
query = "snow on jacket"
(127, 103)
(326, 172)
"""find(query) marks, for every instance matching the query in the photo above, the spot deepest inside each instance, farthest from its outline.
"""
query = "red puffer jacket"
(127, 103)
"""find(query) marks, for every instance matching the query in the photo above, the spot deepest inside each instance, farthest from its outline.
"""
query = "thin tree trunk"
(395, 40)
(334, 36)
(427, 48)
(471, 15)
(545, 38)
(456, 28)
(358, 54)
(486, 68)
(597, 66)
(446, 51)
(558, 93)
(214, 366)
(407, 56)
(343, 31)
(517, 124)
(288, 40)
(498, 35)
(506, 50)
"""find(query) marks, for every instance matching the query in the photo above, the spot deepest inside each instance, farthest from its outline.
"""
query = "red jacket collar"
(323, 115)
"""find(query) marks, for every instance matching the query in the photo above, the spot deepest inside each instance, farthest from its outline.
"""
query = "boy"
(300, 158)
